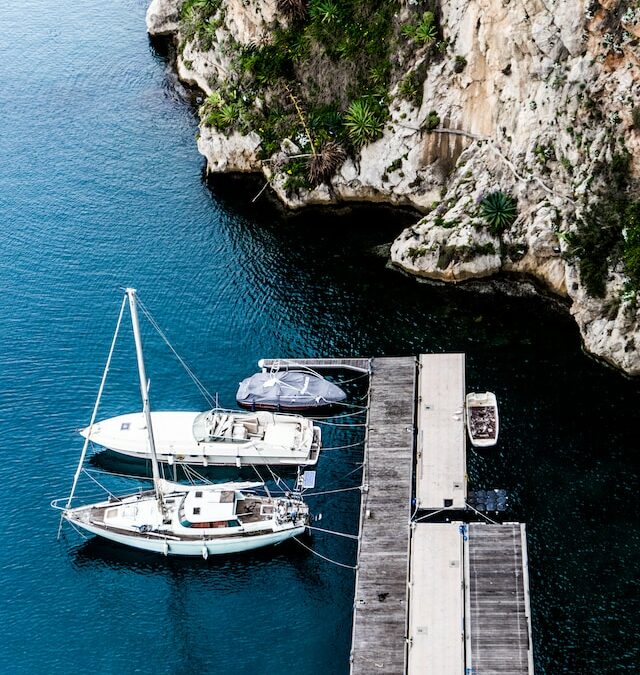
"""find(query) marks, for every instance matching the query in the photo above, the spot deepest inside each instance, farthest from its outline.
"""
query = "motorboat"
(215, 437)
(288, 389)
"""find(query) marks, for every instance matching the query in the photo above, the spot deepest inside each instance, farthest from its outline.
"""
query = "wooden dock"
(380, 607)
(430, 598)
(498, 614)
(359, 365)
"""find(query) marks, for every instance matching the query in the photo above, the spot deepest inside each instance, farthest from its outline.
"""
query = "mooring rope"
(341, 424)
(428, 515)
(340, 416)
(338, 534)
(343, 447)
(482, 514)
(324, 557)
(330, 492)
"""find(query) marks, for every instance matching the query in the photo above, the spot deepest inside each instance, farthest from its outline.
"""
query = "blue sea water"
(101, 187)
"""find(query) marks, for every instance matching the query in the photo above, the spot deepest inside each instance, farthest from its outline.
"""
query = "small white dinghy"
(482, 419)
(187, 520)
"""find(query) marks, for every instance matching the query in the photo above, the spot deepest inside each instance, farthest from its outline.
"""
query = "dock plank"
(380, 607)
(498, 630)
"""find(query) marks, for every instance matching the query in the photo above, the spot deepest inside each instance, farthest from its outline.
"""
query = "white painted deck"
(441, 480)
(436, 607)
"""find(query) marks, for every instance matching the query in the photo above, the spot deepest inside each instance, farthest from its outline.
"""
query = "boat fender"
(205, 552)
(165, 547)
(170, 460)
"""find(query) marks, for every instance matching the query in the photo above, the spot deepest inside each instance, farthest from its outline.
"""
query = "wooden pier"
(498, 614)
(380, 607)
(447, 598)
(432, 598)
(441, 461)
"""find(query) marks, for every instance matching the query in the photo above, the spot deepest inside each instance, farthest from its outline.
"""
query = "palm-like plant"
(326, 162)
(292, 9)
(362, 123)
(499, 210)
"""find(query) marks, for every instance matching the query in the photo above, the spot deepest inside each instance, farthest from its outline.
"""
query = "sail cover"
(294, 389)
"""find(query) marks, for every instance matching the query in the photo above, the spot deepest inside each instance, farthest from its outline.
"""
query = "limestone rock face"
(163, 17)
(544, 96)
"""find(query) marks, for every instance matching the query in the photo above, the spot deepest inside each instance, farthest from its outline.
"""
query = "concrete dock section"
(436, 599)
(441, 463)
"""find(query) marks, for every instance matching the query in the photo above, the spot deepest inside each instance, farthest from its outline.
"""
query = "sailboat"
(188, 520)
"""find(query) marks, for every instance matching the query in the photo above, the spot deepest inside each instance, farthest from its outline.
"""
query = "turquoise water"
(101, 187)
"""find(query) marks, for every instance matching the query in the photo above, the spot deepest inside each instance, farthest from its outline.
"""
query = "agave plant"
(326, 162)
(292, 9)
(425, 32)
(362, 122)
(325, 11)
(499, 210)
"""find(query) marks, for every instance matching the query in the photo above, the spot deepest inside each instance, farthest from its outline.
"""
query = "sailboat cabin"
(205, 509)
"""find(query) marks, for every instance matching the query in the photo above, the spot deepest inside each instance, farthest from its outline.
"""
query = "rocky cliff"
(513, 127)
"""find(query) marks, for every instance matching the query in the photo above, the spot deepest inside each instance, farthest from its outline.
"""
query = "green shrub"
(459, 64)
(635, 116)
(426, 32)
(432, 122)
(499, 211)
(363, 122)
(325, 11)
(631, 245)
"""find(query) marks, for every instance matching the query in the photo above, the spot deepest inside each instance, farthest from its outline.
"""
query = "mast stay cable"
(95, 410)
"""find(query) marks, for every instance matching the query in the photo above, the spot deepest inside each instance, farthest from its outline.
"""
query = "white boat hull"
(183, 526)
(175, 442)
(482, 419)
(169, 546)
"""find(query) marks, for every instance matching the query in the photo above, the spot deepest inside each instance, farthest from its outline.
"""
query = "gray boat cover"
(288, 389)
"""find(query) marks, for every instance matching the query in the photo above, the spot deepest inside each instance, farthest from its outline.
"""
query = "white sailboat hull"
(169, 546)
(243, 521)
(282, 444)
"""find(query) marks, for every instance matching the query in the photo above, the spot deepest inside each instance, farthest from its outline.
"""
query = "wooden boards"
(380, 607)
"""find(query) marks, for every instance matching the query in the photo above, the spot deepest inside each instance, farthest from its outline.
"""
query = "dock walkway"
(498, 615)
(380, 608)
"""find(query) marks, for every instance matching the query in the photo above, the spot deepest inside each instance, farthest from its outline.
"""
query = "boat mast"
(144, 391)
